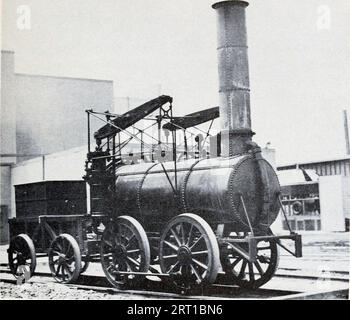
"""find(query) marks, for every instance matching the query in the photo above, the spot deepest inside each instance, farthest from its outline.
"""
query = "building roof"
(296, 164)
(296, 176)
(60, 77)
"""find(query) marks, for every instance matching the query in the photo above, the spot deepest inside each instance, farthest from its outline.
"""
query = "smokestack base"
(235, 142)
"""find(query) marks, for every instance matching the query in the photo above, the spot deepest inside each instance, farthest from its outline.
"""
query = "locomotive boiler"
(166, 211)
(235, 191)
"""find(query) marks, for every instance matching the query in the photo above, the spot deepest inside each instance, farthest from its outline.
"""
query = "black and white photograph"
(172, 155)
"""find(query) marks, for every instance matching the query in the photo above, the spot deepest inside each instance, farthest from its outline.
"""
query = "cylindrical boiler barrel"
(216, 189)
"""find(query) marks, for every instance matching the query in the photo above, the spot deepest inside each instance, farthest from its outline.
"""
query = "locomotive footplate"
(247, 247)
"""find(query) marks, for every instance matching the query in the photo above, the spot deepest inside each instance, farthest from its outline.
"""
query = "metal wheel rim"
(124, 247)
(189, 249)
(65, 259)
(22, 252)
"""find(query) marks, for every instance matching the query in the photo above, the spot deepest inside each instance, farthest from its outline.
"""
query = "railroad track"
(157, 290)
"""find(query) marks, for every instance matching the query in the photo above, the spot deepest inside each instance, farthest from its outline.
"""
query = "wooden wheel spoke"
(67, 269)
(69, 247)
(58, 269)
(189, 235)
(136, 263)
(64, 246)
(251, 272)
(242, 272)
(118, 237)
(63, 273)
(171, 256)
(182, 233)
(130, 240)
(235, 263)
(173, 267)
(122, 230)
(196, 242)
(128, 267)
(70, 260)
(178, 241)
(200, 253)
(172, 246)
(202, 265)
(258, 267)
(199, 279)
(133, 251)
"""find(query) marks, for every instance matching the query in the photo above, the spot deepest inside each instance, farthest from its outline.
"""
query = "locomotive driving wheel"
(65, 259)
(124, 248)
(252, 275)
(22, 256)
(189, 251)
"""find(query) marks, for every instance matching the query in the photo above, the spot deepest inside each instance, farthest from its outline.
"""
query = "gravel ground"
(53, 291)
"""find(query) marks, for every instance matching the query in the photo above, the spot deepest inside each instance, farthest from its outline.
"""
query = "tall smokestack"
(234, 89)
(346, 129)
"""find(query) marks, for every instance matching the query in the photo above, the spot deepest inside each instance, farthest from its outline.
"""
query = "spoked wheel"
(189, 251)
(252, 275)
(21, 256)
(65, 259)
(124, 248)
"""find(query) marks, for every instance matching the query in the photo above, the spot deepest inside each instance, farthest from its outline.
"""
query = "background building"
(316, 195)
(41, 115)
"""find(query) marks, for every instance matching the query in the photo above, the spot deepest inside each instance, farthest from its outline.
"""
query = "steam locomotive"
(193, 219)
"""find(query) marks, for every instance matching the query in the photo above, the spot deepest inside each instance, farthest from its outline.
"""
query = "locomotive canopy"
(172, 209)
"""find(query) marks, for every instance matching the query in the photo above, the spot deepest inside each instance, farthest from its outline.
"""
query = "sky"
(299, 55)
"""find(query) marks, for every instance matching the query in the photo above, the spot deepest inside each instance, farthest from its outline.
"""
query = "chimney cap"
(230, 2)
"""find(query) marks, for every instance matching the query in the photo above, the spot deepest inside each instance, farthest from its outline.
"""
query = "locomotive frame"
(129, 253)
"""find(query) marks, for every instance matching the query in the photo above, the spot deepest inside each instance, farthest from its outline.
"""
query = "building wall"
(51, 111)
(7, 108)
(339, 168)
(270, 156)
(5, 204)
(346, 196)
(331, 202)
(41, 115)
(7, 138)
